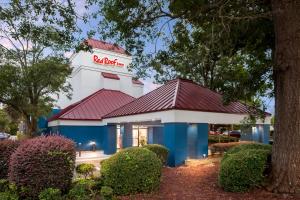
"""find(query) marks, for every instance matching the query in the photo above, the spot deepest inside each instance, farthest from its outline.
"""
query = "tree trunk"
(286, 147)
(31, 124)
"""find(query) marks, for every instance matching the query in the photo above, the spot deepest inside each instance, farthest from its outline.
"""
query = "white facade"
(87, 77)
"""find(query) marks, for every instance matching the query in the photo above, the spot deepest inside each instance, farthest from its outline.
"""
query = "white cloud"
(68, 54)
(149, 86)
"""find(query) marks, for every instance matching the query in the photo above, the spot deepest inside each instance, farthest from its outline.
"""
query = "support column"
(266, 134)
(126, 132)
(175, 139)
(202, 140)
(110, 139)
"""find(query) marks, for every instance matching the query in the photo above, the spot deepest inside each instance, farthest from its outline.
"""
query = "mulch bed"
(199, 180)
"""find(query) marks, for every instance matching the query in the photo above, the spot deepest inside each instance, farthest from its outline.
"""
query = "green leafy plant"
(50, 194)
(132, 170)
(107, 193)
(85, 169)
(83, 189)
(8, 196)
(4, 185)
(161, 151)
(243, 170)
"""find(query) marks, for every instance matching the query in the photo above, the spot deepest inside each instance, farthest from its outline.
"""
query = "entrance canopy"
(182, 100)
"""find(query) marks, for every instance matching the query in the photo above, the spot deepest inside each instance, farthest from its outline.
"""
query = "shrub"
(50, 194)
(7, 147)
(4, 185)
(132, 170)
(249, 146)
(161, 151)
(86, 170)
(43, 162)
(224, 147)
(221, 139)
(243, 170)
(8, 196)
(83, 189)
(107, 193)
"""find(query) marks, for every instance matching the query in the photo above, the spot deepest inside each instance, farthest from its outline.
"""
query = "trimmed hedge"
(161, 151)
(41, 163)
(131, 171)
(224, 147)
(7, 147)
(241, 147)
(244, 168)
(221, 139)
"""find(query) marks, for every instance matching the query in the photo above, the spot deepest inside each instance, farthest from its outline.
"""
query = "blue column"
(266, 134)
(202, 140)
(126, 132)
(110, 139)
(175, 139)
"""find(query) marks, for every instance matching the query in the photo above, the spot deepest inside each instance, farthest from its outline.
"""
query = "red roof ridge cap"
(176, 93)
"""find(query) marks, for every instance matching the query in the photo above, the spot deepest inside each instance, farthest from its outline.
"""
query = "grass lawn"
(199, 180)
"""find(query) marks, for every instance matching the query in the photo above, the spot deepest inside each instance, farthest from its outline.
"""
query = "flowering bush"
(7, 147)
(43, 162)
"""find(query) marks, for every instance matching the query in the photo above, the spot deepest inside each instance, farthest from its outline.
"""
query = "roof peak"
(100, 44)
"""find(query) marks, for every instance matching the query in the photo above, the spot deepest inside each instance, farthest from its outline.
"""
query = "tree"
(7, 124)
(256, 30)
(34, 35)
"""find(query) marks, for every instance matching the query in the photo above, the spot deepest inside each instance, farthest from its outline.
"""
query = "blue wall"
(156, 135)
(202, 142)
(261, 133)
(197, 140)
(175, 139)
(110, 139)
(126, 132)
(82, 134)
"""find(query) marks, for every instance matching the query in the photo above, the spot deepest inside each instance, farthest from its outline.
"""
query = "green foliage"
(107, 193)
(50, 194)
(4, 185)
(82, 189)
(221, 138)
(85, 169)
(131, 171)
(256, 146)
(8, 196)
(8, 191)
(161, 151)
(243, 168)
(33, 67)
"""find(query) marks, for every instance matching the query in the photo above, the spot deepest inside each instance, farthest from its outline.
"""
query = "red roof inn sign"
(107, 61)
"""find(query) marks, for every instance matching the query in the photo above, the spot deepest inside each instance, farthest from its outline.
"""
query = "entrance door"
(139, 136)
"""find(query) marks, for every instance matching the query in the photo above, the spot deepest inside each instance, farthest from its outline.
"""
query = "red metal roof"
(138, 82)
(110, 76)
(95, 106)
(98, 44)
(180, 94)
